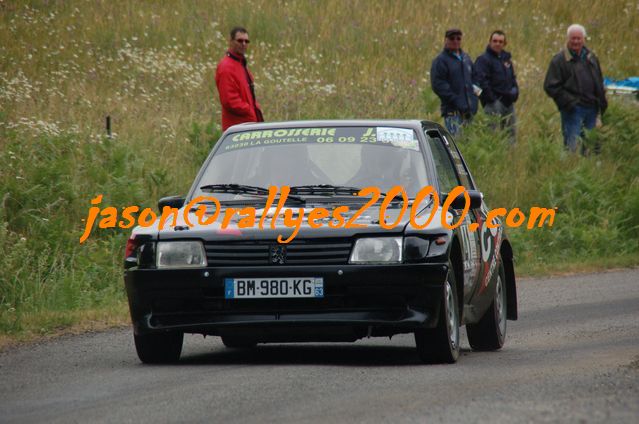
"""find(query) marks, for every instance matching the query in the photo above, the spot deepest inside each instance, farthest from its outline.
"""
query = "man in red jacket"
(235, 83)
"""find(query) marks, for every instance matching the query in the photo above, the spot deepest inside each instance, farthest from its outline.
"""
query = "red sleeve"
(230, 97)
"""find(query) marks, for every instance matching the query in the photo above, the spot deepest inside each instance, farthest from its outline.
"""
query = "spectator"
(495, 76)
(451, 79)
(235, 83)
(574, 81)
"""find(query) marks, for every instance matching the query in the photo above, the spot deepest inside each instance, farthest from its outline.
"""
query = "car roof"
(403, 123)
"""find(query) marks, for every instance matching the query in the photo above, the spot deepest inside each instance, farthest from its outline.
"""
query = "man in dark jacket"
(235, 83)
(495, 76)
(574, 81)
(451, 79)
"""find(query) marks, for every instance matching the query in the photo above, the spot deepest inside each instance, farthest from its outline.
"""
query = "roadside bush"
(595, 196)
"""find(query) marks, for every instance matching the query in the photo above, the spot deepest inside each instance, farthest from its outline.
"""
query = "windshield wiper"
(331, 189)
(324, 189)
(243, 189)
(234, 188)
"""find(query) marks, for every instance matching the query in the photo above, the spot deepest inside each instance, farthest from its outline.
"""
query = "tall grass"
(150, 66)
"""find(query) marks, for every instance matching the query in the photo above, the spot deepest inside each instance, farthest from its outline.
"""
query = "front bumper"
(358, 300)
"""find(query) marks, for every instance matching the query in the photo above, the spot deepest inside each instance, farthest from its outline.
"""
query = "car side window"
(445, 167)
(459, 166)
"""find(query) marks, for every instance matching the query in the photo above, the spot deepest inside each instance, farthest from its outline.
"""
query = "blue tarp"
(629, 84)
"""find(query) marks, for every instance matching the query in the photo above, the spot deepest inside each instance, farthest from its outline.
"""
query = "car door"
(489, 238)
(451, 173)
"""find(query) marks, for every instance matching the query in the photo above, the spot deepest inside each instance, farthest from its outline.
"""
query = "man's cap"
(453, 31)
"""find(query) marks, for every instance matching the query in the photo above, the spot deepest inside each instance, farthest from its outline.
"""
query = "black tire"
(441, 344)
(160, 348)
(238, 342)
(490, 332)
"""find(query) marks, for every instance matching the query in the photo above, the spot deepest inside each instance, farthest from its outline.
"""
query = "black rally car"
(253, 266)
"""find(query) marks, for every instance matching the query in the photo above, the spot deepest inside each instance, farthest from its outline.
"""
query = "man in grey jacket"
(574, 81)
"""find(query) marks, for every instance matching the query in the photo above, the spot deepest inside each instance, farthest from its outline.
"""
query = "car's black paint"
(360, 300)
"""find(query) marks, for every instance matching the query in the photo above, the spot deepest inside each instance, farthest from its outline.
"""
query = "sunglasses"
(455, 38)
(242, 40)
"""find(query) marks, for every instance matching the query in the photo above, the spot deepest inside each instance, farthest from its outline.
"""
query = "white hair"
(576, 27)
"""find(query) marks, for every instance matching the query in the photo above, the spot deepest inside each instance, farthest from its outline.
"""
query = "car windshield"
(338, 156)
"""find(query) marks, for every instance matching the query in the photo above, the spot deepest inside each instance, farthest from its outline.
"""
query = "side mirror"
(171, 201)
(475, 200)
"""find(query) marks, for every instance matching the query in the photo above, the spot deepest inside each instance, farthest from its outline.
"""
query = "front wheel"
(441, 344)
(160, 348)
(490, 332)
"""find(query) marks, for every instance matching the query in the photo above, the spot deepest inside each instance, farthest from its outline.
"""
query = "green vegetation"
(67, 65)
(597, 197)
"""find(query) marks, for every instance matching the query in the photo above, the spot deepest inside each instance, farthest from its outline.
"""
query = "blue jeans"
(454, 123)
(574, 122)
(507, 119)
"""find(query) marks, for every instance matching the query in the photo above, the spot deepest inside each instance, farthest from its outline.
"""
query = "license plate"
(265, 288)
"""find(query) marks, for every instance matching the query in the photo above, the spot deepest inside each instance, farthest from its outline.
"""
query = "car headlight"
(180, 254)
(377, 250)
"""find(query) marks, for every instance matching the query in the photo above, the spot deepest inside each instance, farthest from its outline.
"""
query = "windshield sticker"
(398, 137)
(406, 144)
(292, 132)
(384, 136)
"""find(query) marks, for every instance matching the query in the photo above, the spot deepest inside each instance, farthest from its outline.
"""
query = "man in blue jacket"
(495, 76)
(451, 79)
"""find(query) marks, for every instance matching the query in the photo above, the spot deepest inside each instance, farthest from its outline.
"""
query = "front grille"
(298, 252)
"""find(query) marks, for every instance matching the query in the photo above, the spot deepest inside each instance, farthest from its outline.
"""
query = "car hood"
(366, 222)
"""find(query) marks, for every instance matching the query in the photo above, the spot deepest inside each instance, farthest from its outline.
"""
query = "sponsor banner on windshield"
(403, 138)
